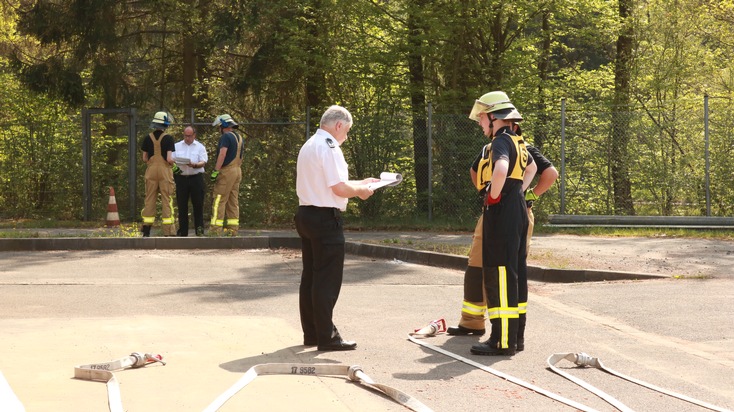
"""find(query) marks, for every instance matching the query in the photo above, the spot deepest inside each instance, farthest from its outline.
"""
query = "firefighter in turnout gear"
(506, 168)
(158, 148)
(226, 177)
(474, 306)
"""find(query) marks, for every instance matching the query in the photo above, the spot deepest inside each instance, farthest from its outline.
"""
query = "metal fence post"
(132, 144)
(430, 161)
(308, 122)
(708, 164)
(563, 156)
(87, 164)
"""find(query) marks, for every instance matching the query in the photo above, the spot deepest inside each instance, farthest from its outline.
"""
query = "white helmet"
(224, 120)
(494, 102)
(161, 120)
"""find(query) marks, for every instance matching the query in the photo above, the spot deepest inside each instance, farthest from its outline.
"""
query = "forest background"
(631, 99)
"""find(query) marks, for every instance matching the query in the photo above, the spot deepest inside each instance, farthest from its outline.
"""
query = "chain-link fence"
(676, 162)
(667, 160)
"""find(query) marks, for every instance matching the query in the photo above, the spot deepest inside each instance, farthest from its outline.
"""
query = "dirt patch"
(669, 256)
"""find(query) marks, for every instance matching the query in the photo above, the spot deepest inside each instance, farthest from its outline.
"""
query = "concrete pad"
(215, 313)
(205, 356)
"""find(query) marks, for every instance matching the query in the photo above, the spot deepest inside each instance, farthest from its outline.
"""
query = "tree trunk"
(418, 107)
(620, 137)
(541, 132)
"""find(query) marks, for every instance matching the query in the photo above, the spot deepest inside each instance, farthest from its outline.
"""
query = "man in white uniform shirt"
(323, 187)
(190, 182)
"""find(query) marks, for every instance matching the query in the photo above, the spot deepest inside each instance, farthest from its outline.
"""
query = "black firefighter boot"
(521, 332)
(146, 230)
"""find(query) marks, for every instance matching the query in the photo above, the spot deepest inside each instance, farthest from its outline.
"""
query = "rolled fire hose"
(354, 373)
(504, 376)
(102, 372)
(582, 359)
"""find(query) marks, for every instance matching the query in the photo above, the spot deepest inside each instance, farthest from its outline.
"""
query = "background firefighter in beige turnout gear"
(158, 148)
(227, 176)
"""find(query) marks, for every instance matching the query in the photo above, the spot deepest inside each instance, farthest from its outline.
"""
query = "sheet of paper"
(182, 160)
(387, 179)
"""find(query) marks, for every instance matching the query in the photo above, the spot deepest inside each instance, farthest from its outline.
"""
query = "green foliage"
(268, 61)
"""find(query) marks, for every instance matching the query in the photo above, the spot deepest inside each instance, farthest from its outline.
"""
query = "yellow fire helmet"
(490, 103)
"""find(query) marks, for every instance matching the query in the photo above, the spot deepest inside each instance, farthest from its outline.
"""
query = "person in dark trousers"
(190, 181)
(474, 306)
(508, 168)
(323, 188)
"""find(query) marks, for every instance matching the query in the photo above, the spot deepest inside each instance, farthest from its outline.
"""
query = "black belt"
(187, 176)
(333, 210)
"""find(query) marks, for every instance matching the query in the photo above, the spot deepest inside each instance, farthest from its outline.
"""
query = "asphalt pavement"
(215, 312)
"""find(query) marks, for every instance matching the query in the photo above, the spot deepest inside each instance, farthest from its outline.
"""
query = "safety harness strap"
(353, 373)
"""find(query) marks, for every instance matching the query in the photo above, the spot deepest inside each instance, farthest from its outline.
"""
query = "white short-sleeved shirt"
(195, 151)
(320, 166)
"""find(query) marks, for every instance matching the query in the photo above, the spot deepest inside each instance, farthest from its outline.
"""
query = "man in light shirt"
(323, 187)
(190, 182)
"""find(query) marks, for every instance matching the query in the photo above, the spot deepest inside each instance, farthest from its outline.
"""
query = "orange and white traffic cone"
(113, 218)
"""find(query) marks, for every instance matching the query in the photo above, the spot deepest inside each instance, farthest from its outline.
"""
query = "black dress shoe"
(338, 344)
(490, 349)
(462, 331)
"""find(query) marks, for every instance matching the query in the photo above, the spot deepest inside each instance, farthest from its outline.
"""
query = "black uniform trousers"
(322, 245)
(505, 265)
(189, 186)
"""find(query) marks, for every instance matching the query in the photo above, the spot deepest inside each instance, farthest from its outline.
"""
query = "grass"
(8, 229)
(461, 250)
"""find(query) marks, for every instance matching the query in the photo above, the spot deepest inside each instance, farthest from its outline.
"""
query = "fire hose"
(102, 372)
(504, 376)
(582, 359)
(353, 373)
(8, 401)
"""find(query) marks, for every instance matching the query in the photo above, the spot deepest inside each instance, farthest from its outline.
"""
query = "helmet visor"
(508, 114)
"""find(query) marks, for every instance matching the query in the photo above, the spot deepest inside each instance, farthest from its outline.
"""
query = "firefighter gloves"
(214, 175)
(530, 197)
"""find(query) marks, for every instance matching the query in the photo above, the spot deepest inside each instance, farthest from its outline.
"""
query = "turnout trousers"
(505, 266)
(226, 195)
(322, 245)
(159, 179)
(474, 306)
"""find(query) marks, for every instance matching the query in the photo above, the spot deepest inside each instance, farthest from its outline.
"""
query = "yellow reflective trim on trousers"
(504, 313)
(147, 219)
(170, 207)
(522, 307)
(167, 220)
(218, 222)
(503, 304)
(215, 209)
(233, 222)
(473, 309)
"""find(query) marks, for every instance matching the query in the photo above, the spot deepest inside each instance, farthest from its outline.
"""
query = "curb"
(444, 260)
